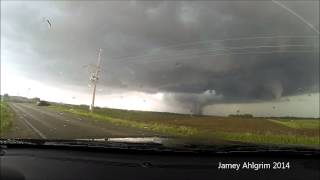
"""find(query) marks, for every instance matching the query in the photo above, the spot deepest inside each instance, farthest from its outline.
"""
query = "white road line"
(34, 129)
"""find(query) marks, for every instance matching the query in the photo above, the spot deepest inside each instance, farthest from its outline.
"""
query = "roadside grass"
(202, 127)
(6, 116)
(299, 124)
(157, 127)
(273, 139)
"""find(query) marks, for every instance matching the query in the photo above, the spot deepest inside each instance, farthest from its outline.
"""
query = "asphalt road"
(34, 122)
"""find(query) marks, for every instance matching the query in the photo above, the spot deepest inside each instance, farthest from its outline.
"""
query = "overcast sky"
(209, 57)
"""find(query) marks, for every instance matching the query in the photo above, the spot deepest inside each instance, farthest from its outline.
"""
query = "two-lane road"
(34, 122)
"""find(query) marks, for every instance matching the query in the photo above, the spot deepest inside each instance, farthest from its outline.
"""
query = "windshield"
(234, 71)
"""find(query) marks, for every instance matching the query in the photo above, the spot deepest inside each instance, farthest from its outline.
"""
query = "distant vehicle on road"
(42, 103)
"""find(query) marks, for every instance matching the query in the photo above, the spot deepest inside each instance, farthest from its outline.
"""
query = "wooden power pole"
(94, 79)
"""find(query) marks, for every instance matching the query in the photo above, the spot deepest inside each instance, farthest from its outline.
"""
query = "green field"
(6, 116)
(299, 124)
(256, 130)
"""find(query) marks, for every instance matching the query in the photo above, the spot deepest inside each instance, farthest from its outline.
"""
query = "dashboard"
(55, 163)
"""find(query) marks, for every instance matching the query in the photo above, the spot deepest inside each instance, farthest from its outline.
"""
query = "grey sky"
(196, 53)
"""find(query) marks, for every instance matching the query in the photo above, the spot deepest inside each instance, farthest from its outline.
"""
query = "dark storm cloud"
(183, 49)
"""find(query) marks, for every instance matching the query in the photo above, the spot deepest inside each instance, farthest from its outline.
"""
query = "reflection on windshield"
(217, 71)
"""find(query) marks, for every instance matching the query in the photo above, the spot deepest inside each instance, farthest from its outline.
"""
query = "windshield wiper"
(157, 146)
(89, 143)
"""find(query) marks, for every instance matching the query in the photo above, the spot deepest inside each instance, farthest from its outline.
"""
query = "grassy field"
(299, 124)
(5, 117)
(256, 130)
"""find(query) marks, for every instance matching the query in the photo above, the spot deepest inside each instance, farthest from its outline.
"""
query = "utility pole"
(94, 79)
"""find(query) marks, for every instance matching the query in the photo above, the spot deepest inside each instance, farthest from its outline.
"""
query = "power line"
(238, 53)
(297, 15)
(147, 54)
(218, 51)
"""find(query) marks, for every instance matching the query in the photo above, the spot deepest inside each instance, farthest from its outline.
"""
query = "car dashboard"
(71, 163)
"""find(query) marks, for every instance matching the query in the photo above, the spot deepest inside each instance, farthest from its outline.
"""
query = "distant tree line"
(19, 99)
(241, 115)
